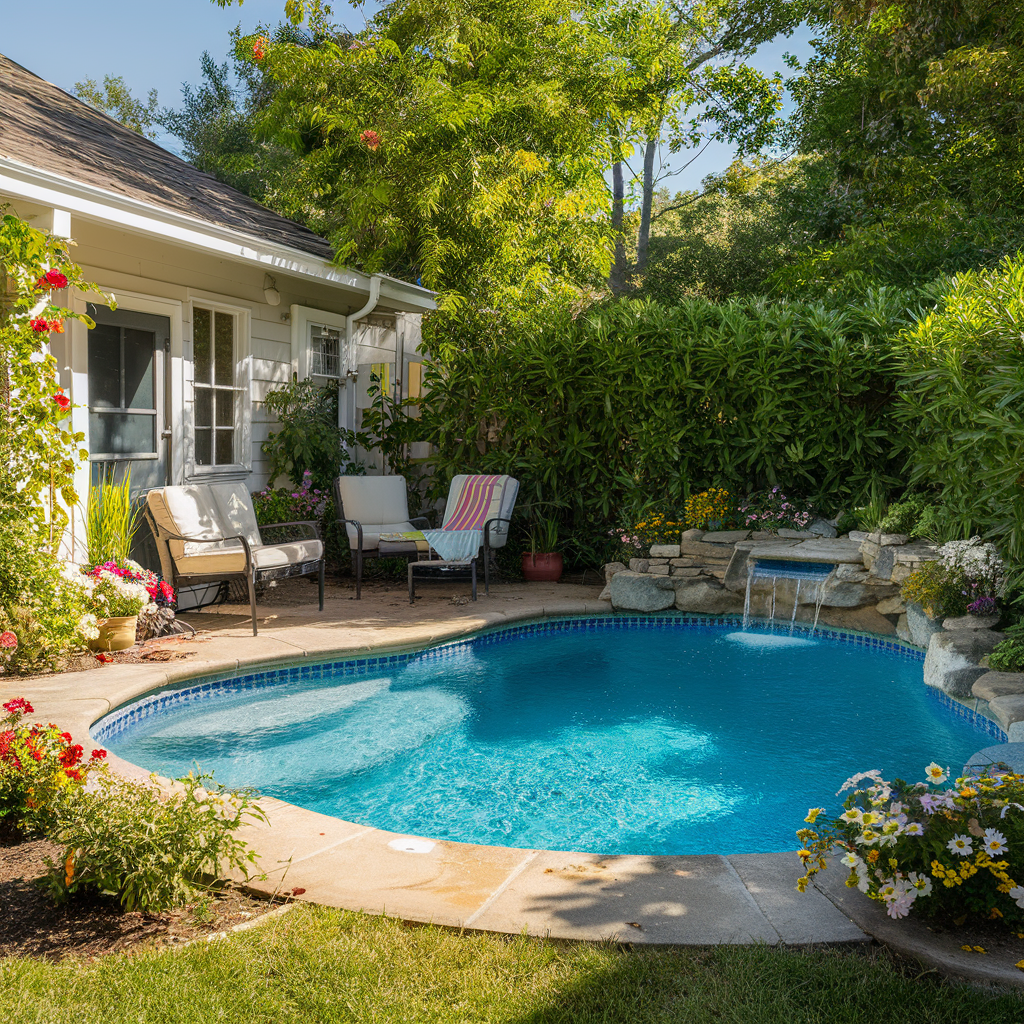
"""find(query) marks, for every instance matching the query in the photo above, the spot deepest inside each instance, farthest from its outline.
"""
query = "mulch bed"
(86, 927)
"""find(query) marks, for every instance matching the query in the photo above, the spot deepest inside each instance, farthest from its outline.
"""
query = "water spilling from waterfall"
(817, 574)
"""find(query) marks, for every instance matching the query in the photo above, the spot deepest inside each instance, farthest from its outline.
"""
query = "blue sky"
(158, 45)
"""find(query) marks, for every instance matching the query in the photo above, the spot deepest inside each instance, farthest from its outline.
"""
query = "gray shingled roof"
(45, 127)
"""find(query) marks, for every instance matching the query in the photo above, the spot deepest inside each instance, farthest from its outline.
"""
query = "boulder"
(970, 622)
(951, 664)
(842, 594)
(797, 534)
(1009, 712)
(611, 568)
(903, 629)
(858, 536)
(641, 592)
(698, 549)
(891, 606)
(725, 536)
(639, 564)
(822, 528)
(682, 570)
(664, 551)
(998, 684)
(691, 535)
(737, 571)
(659, 570)
(862, 620)
(883, 563)
(921, 626)
(706, 597)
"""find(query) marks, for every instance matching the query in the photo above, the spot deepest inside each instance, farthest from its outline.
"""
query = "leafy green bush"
(151, 850)
(632, 399)
(45, 607)
(1008, 655)
(962, 370)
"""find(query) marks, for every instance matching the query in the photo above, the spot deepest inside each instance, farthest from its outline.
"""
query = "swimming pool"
(656, 735)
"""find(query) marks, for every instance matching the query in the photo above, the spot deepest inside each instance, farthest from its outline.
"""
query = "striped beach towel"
(479, 500)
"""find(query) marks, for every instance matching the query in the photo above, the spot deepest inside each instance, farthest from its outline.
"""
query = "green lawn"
(323, 965)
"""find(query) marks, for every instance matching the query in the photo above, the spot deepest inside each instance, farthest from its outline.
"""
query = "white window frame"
(241, 466)
(303, 319)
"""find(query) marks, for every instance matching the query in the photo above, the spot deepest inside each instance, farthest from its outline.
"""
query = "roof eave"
(93, 203)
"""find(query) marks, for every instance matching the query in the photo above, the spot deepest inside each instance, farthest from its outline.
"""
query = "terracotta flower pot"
(116, 634)
(545, 568)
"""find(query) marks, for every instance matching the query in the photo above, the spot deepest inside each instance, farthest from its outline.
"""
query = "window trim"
(242, 464)
(303, 318)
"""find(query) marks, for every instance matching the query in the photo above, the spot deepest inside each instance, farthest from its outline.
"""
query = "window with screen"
(122, 395)
(217, 396)
(324, 351)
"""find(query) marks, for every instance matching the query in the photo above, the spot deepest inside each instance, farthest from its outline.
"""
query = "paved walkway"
(689, 900)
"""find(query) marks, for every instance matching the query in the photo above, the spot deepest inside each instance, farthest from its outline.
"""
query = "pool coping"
(660, 900)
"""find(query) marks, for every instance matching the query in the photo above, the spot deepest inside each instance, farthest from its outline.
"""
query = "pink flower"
(370, 139)
(9, 641)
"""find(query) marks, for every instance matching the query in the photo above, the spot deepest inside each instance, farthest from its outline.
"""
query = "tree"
(462, 144)
(116, 99)
(681, 69)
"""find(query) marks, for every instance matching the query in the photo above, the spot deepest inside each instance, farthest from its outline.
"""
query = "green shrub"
(45, 607)
(969, 577)
(962, 370)
(1008, 655)
(636, 400)
(150, 849)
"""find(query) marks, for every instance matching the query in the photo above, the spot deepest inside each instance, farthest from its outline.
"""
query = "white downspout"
(348, 415)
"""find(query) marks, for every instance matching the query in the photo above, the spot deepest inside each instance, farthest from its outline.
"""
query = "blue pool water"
(643, 739)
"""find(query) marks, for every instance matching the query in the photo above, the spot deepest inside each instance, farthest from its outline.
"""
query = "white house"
(218, 299)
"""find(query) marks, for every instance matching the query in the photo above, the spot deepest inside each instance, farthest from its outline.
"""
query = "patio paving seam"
(730, 867)
(512, 875)
(331, 846)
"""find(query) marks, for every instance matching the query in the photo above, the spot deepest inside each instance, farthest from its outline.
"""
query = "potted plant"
(117, 595)
(542, 563)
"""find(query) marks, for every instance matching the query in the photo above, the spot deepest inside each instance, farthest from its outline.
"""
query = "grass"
(322, 965)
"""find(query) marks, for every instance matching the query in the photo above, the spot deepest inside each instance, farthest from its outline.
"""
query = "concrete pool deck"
(686, 900)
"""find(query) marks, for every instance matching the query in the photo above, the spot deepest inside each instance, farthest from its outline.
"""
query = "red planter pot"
(545, 568)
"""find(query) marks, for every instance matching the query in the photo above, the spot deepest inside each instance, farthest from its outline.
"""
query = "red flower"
(370, 139)
(66, 737)
(52, 279)
(259, 47)
(19, 706)
(104, 657)
(98, 755)
(62, 400)
(8, 640)
(36, 755)
(70, 756)
(39, 325)
(73, 773)
(56, 326)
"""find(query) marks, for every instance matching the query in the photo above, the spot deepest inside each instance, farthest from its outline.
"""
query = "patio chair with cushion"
(375, 513)
(207, 533)
(476, 521)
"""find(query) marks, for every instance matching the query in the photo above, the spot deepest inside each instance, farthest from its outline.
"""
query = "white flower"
(851, 860)
(921, 883)
(901, 907)
(960, 845)
(852, 815)
(935, 774)
(1017, 894)
(995, 842)
(915, 828)
(852, 781)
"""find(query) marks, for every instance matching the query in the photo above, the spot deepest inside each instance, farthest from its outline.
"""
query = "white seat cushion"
(371, 534)
(266, 556)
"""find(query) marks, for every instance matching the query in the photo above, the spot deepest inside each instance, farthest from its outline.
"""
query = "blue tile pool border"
(115, 722)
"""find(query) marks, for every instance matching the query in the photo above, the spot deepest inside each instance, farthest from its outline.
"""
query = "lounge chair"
(369, 506)
(476, 520)
(208, 533)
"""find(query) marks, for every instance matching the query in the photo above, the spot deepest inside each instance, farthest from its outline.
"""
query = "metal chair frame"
(250, 573)
(439, 563)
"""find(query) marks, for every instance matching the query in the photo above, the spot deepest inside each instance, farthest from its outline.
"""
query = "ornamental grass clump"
(38, 764)
(953, 852)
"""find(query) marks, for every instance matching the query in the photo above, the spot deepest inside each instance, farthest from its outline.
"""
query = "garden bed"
(89, 926)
